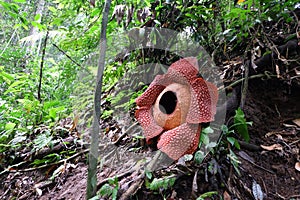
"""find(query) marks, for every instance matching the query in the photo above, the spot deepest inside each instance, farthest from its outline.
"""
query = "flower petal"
(155, 88)
(145, 118)
(184, 70)
(204, 97)
(179, 141)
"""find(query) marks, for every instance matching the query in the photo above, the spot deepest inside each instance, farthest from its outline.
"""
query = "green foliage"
(207, 195)
(110, 189)
(205, 143)
(50, 158)
(241, 125)
(161, 183)
(234, 161)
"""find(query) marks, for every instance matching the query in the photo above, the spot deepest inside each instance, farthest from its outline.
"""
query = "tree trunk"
(94, 154)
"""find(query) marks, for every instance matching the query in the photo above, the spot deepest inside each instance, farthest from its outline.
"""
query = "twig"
(66, 55)
(43, 166)
(125, 133)
(12, 166)
(99, 185)
(12, 36)
(266, 74)
(134, 187)
(256, 165)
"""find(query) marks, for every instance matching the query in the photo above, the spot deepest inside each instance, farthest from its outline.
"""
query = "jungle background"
(49, 56)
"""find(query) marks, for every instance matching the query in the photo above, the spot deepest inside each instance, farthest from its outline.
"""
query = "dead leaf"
(118, 13)
(39, 191)
(297, 166)
(226, 196)
(256, 191)
(277, 71)
(195, 185)
(143, 13)
(297, 121)
(74, 123)
(272, 147)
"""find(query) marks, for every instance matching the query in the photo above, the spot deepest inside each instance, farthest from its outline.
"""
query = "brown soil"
(271, 105)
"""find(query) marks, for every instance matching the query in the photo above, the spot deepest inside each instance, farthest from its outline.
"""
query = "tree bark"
(94, 154)
(34, 30)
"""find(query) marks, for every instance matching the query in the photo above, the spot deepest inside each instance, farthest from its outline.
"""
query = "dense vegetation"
(50, 50)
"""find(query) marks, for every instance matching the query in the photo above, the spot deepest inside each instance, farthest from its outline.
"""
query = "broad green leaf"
(42, 140)
(162, 183)
(148, 174)
(16, 83)
(37, 25)
(199, 157)
(9, 126)
(204, 138)
(233, 142)
(37, 17)
(106, 190)
(241, 124)
(8, 78)
(207, 130)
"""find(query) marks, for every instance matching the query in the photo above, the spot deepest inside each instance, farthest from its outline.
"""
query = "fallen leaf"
(39, 191)
(195, 185)
(256, 191)
(297, 166)
(226, 196)
(272, 147)
(297, 121)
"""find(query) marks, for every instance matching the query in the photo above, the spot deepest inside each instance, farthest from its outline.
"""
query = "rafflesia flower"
(173, 107)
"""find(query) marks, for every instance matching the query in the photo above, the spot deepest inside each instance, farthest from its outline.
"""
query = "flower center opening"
(168, 102)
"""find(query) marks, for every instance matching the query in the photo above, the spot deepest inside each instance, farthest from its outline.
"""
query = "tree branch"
(66, 55)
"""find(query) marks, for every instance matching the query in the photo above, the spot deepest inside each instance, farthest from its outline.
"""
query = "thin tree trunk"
(94, 154)
(41, 67)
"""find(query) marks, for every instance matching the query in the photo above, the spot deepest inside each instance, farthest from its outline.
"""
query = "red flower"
(174, 106)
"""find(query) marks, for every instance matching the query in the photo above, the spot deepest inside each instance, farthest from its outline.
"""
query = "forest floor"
(274, 109)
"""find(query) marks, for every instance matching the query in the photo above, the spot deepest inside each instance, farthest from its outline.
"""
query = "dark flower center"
(167, 102)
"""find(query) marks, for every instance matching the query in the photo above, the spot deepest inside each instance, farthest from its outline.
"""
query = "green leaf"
(42, 140)
(207, 130)
(233, 142)
(20, 1)
(234, 161)
(162, 183)
(8, 78)
(9, 126)
(37, 25)
(199, 157)
(37, 17)
(148, 174)
(207, 195)
(106, 190)
(241, 124)
(52, 9)
(54, 111)
(204, 138)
